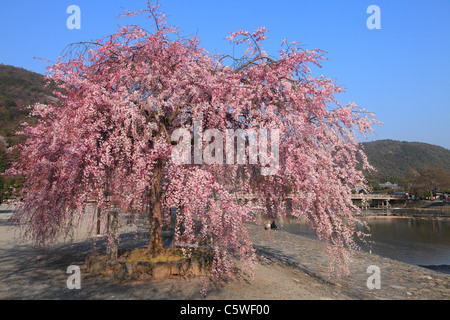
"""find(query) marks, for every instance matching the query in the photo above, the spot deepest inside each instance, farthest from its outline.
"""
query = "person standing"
(273, 226)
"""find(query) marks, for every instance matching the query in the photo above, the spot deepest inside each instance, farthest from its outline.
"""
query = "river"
(418, 241)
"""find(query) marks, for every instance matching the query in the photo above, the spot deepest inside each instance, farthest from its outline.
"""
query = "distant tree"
(427, 179)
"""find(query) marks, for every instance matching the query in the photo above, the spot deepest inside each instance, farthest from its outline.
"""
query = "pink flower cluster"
(119, 104)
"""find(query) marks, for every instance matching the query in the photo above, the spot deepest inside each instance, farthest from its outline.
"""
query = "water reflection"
(412, 240)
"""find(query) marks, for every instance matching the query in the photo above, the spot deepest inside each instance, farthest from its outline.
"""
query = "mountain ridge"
(393, 158)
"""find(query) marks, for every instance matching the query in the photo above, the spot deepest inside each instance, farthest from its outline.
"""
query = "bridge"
(375, 200)
(378, 196)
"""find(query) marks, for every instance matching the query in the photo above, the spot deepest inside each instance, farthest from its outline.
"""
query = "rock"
(144, 268)
(160, 270)
(122, 274)
(115, 265)
(128, 271)
(197, 267)
(180, 268)
(97, 266)
(201, 266)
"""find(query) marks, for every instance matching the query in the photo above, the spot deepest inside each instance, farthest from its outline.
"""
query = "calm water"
(415, 241)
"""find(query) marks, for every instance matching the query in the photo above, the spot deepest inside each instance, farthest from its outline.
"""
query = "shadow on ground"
(31, 274)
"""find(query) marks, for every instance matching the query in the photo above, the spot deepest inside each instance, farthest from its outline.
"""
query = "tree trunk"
(112, 249)
(155, 213)
(99, 231)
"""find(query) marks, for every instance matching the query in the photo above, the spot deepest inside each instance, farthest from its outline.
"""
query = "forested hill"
(18, 89)
(393, 158)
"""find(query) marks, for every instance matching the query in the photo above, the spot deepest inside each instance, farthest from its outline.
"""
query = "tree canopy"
(109, 139)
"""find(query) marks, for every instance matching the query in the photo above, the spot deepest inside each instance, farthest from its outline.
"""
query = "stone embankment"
(122, 270)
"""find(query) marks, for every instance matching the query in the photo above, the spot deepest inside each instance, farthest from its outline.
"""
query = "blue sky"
(400, 72)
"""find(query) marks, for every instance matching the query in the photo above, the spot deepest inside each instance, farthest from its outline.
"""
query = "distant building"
(393, 186)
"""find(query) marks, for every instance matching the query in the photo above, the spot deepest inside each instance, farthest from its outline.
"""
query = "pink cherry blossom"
(108, 140)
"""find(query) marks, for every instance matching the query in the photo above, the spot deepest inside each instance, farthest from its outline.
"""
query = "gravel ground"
(290, 268)
(26, 274)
